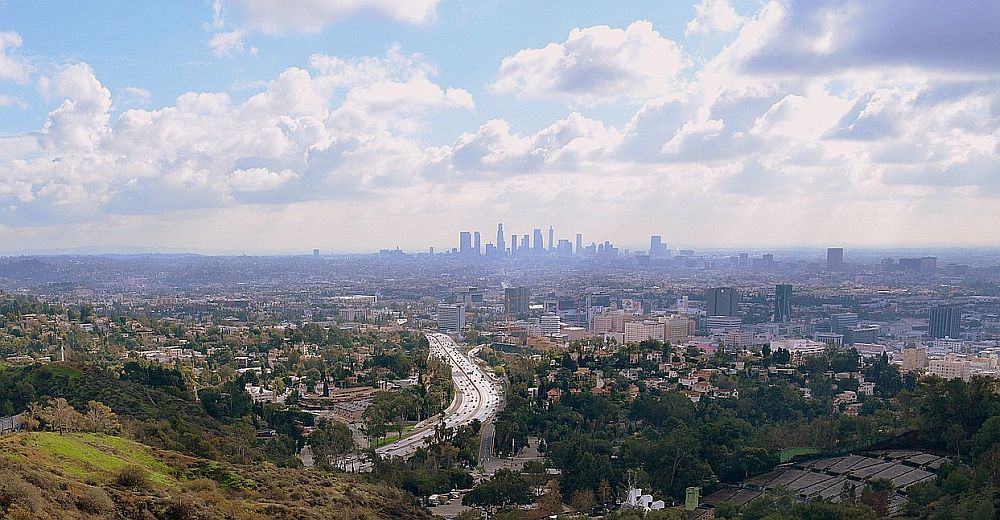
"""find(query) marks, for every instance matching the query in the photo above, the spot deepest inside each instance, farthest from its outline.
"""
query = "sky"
(255, 126)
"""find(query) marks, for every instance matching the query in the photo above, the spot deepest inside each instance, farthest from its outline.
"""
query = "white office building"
(549, 324)
(451, 316)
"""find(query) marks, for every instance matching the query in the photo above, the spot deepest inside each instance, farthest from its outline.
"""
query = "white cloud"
(256, 179)
(228, 43)
(824, 36)
(713, 15)
(313, 15)
(342, 127)
(596, 64)
(81, 121)
(12, 68)
(494, 150)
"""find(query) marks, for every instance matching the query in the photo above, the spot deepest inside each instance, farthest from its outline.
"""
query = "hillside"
(47, 475)
(155, 413)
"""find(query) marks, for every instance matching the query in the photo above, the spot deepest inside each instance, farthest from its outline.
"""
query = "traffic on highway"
(477, 396)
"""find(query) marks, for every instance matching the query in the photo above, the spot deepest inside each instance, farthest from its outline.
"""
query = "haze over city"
(243, 126)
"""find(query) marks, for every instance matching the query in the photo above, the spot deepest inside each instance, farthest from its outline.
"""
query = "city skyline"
(236, 126)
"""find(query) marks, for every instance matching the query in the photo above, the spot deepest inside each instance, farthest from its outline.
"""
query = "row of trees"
(58, 415)
(391, 411)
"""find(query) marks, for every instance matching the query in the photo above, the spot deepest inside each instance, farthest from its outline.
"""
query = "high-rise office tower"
(552, 239)
(477, 243)
(655, 246)
(842, 322)
(539, 247)
(782, 303)
(501, 245)
(945, 322)
(721, 301)
(834, 258)
(525, 245)
(513, 243)
(579, 243)
(465, 242)
(451, 316)
(516, 300)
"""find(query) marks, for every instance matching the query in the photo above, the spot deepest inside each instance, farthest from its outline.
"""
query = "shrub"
(133, 477)
(16, 492)
(200, 485)
(181, 508)
(95, 501)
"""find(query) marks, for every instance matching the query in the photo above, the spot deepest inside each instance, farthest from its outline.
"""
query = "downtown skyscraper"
(501, 244)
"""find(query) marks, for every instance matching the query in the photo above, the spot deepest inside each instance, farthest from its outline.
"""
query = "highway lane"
(477, 397)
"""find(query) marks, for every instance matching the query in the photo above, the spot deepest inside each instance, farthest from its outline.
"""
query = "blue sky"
(249, 125)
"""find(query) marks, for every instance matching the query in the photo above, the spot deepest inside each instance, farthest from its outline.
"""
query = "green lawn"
(393, 437)
(84, 455)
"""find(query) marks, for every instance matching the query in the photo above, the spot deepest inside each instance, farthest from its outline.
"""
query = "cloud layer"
(815, 120)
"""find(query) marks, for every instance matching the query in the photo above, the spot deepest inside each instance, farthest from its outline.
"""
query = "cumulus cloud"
(340, 126)
(12, 68)
(81, 121)
(495, 150)
(822, 36)
(713, 15)
(313, 15)
(596, 64)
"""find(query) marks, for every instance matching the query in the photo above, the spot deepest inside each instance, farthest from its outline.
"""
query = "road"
(477, 396)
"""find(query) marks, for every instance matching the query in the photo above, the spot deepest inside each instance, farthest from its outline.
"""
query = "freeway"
(477, 396)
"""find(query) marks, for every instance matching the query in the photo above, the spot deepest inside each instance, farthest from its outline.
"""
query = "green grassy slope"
(46, 475)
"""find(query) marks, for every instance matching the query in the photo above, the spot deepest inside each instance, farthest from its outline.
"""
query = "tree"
(61, 416)
(330, 441)
(100, 418)
(506, 488)
(604, 492)
(376, 423)
(987, 436)
(583, 500)
(551, 501)
(34, 416)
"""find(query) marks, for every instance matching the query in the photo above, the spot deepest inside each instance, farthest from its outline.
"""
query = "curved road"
(477, 396)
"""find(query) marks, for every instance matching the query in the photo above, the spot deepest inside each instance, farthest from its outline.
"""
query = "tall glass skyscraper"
(782, 303)
(945, 322)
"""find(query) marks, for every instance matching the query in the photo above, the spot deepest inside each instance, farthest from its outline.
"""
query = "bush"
(134, 478)
(15, 492)
(202, 485)
(181, 508)
(95, 501)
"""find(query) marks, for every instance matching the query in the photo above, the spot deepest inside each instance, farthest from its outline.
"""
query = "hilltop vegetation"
(162, 416)
(84, 475)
